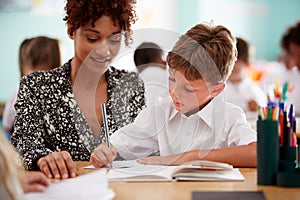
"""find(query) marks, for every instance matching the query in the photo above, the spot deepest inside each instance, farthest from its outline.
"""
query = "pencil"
(275, 113)
(105, 127)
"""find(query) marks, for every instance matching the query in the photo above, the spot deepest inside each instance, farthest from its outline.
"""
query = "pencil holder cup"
(287, 160)
(267, 152)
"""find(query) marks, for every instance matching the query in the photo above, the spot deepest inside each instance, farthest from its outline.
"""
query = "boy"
(194, 123)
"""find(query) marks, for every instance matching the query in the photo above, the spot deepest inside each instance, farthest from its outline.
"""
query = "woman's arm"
(28, 137)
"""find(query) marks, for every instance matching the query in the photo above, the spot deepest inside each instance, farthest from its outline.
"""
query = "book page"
(208, 175)
(199, 170)
(206, 164)
(141, 173)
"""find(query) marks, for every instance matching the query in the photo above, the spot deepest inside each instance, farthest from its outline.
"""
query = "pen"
(105, 126)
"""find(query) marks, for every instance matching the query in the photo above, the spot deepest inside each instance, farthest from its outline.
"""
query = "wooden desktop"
(183, 190)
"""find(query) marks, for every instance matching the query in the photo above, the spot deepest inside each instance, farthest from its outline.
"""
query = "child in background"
(148, 58)
(240, 89)
(291, 44)
(195, 122)
(35, 54)
(278, 74)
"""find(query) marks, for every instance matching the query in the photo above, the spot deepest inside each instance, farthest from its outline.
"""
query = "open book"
(131, 171)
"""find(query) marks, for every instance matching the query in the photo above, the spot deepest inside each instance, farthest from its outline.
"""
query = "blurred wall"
(20, 23)
(262, 22)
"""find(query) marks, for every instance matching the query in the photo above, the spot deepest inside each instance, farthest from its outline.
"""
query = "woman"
(59, 112)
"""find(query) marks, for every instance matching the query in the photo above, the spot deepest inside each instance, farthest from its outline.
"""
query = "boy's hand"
(103, 155)
(33, 181)
(58, 165)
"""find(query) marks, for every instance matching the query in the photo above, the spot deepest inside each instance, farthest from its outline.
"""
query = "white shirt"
(241, 93)
(293, 77)
(9, 113)
(161, 127)
(156, 83)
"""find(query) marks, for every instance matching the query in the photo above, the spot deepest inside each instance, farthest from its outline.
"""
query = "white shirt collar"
(206, 113)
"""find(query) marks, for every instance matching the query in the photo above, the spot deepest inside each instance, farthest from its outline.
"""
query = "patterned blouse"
(49, 119)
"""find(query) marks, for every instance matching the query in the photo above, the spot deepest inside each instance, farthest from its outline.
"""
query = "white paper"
(91, 186)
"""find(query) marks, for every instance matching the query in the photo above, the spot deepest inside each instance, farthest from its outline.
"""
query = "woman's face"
(96, 47)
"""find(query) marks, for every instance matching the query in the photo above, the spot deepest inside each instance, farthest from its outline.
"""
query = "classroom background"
(261, 22)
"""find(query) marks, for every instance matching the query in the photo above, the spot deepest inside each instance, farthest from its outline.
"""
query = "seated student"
(278, 71)
(35, 54)
(152, 68)
(240, 89)
(291, 44)
(195, 122)
(14, 181)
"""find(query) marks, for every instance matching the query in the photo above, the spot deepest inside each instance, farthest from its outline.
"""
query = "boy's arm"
(238, 156)
(138, 139)
(133, 141)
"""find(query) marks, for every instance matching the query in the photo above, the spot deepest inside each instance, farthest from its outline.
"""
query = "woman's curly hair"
(81, 12)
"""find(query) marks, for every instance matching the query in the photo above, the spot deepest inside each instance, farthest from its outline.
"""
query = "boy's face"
(295, 52)
(188, 96)
(239, 72)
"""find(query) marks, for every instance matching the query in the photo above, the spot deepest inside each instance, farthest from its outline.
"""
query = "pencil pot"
(267, 152)
(287, 158)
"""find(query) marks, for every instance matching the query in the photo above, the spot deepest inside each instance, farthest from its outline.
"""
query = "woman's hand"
(58, 165)
(33, 181)
(103, 155)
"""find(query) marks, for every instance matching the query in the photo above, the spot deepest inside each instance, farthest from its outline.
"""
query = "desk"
(183, 190)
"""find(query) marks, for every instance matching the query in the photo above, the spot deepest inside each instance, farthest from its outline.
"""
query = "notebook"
(131, 171)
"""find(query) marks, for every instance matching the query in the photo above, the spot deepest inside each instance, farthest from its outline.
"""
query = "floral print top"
(49, 119)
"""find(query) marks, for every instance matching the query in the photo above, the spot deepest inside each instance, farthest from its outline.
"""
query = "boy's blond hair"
(204, 52)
